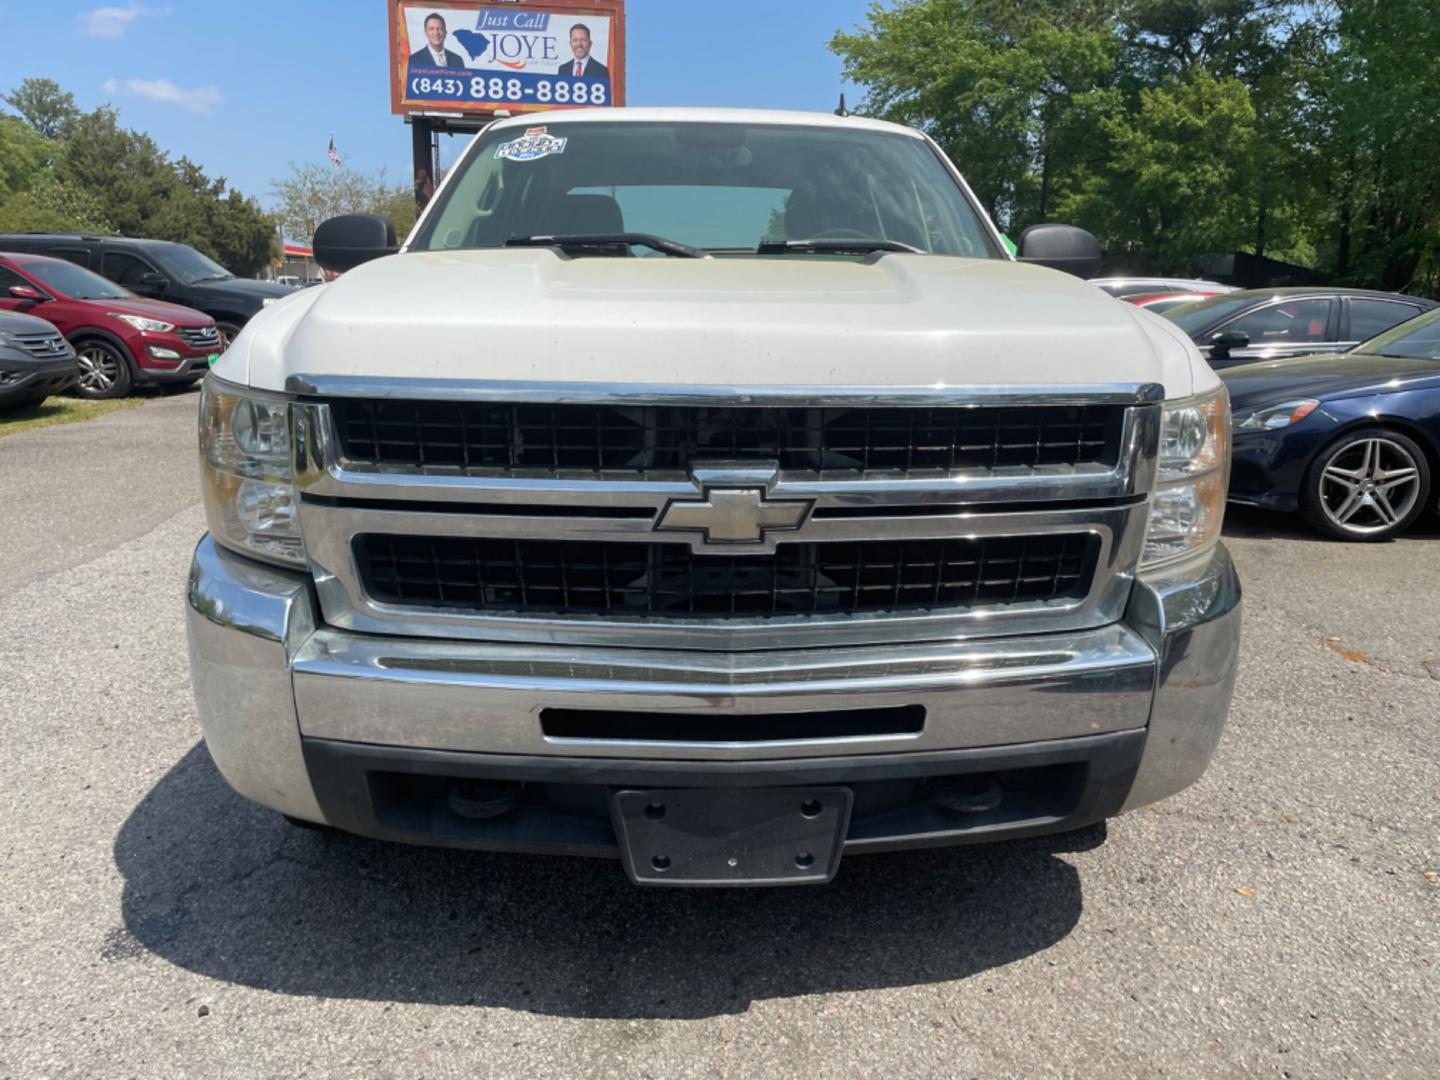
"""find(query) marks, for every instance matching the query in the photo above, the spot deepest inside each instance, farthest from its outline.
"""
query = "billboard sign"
(517, 56)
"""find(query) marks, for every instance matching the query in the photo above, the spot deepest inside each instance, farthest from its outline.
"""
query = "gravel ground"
(1274, 920)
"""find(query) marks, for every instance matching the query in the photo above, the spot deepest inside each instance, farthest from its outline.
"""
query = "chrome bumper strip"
(486, 698)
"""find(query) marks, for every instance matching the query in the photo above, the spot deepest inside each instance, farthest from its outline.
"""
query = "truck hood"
(893, 321)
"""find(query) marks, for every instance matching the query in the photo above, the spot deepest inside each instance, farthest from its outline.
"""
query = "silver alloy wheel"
(1369, 485)
(99, 369)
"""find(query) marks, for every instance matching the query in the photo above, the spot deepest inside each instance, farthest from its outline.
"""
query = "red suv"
(120, 340)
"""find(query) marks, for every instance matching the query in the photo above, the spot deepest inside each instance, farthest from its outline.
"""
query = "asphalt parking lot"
(1281, 918)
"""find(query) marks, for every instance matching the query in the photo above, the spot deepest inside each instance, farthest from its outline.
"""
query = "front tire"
(228, 332)
(1366, 486)
(104, 370)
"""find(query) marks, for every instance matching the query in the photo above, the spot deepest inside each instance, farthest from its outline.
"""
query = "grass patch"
(59, 410)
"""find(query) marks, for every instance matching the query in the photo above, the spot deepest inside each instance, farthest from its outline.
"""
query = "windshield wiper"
(600, 242)
(833, 247)
(212, 277)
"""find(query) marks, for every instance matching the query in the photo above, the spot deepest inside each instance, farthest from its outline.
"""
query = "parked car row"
(130, 313)
(121, 340)
(1335, 396)
(158, 270)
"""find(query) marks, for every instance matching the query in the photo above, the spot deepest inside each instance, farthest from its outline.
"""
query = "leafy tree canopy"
(1179, 130)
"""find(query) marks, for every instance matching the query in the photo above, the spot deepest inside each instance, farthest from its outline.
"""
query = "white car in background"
(1132, 286)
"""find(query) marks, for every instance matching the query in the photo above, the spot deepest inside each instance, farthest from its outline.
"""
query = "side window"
(78, 256)
(1281, 324)
(123, 268)
(1371, 317)
(8, 278)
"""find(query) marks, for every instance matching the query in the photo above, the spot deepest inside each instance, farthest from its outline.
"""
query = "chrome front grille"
(509, 436)
(660, 581)
(204, 337)
(980, 514)
(42, 346)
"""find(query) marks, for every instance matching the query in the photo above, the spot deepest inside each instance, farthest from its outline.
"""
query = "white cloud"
(112, 22)
(196, 99)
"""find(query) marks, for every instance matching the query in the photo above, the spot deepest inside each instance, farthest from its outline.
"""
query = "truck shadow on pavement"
(227, 889)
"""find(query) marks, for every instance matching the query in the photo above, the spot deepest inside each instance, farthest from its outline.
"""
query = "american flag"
(334, 157)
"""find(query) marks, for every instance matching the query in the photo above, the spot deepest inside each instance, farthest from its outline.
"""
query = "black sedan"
(1351, 440)
(1271, 324)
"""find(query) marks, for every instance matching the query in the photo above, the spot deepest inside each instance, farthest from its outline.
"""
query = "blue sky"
(245, 88)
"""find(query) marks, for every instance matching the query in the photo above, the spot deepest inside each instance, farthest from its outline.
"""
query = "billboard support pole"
(424, 159)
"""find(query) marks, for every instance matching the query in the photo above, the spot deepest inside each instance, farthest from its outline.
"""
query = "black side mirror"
(1232, 339)
(344, 242)
(150, 284)
(1061, 247)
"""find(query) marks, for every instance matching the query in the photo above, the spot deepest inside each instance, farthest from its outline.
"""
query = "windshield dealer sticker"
(535, 143)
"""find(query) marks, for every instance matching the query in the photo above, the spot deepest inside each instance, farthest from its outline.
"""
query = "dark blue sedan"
(1350, 440)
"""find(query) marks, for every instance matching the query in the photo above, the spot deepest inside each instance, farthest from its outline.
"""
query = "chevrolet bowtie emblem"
(734, 515)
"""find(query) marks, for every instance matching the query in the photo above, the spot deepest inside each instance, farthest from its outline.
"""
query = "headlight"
(139, 322)
(250, 502)
(1273, 417)
(1188, 505)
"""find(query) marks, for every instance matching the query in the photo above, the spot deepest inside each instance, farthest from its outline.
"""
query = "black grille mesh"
(504, 437)
(658, 580)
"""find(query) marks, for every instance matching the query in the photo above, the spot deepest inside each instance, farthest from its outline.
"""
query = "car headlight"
(1188, 505)
(139, 322)
(1274, 417)
(247, 473)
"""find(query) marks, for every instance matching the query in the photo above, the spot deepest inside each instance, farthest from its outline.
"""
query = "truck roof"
(704, 116)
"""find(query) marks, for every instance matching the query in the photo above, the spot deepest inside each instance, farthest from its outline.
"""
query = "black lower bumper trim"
(900, 800)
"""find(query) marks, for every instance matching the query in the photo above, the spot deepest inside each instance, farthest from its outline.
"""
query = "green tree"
(1378, 123)
(52, 205)
(311, 193)
(1015, 91)
(22, 153)
(45, 107)
(1180, 182)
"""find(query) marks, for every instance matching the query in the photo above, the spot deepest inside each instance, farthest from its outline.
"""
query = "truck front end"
(724, 566)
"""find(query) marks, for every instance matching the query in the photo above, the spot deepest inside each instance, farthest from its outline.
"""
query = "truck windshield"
(721, 187)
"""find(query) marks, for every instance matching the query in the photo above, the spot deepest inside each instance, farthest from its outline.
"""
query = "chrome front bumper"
(272, 683)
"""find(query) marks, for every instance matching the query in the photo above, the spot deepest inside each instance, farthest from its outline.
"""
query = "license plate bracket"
(732, 836)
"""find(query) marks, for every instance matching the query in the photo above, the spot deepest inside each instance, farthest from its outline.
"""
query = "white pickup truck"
(711, 490)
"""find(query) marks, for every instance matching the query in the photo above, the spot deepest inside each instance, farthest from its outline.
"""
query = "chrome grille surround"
(340, 500)
(43, 345)
(204, 337)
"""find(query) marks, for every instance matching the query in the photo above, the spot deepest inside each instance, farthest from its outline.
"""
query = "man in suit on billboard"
(435, 55)
(584, 66)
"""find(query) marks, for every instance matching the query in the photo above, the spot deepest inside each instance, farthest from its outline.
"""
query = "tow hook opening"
(482, 800)
(974, 793)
